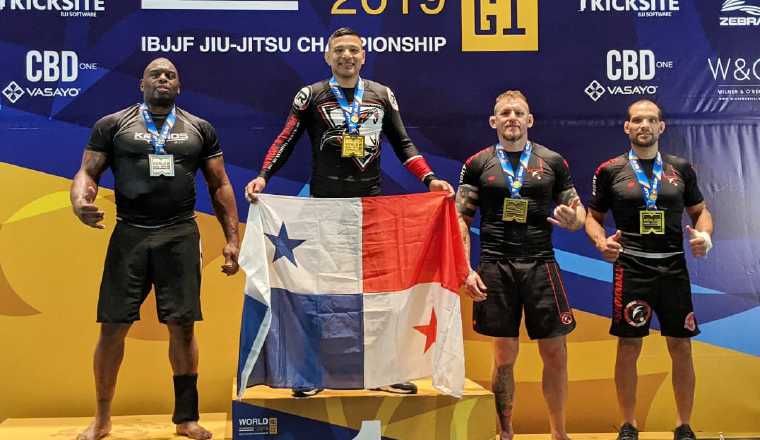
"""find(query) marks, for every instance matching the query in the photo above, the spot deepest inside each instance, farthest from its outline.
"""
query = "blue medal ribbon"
(158, 140)
(350, 112)
(514, 180)
(649, 188)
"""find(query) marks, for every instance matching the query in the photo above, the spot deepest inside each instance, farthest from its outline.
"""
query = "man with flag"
(513, 184)
(345, 117)
(648, 191)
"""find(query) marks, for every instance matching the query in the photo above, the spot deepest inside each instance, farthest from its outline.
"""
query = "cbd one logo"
(630, 65)
(499, 25)
(52, 66)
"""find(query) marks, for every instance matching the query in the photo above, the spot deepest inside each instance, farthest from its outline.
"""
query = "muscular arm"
(223, 198)
(595, 229)
(467, 205)
(84, 188)
(700, 217)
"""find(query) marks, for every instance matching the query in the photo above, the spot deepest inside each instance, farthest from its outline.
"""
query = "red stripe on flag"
(412, 239)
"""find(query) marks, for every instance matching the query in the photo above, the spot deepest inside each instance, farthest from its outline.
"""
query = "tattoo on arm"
(567, 196)
(503, 387)
(467, 201)
(94, 163)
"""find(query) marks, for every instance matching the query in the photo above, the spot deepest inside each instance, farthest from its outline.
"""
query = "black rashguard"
(615, 187)
(547, 176)
(316, 110)
(142, 200)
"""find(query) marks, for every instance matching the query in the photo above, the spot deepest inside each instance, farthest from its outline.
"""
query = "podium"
(365, 414)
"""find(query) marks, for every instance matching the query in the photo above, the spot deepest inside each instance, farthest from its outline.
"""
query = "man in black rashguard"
(345, 117)
(514, 183)
(648, 192)
(154, 150)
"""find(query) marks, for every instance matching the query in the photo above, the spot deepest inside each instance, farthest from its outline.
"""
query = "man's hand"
(86, 211)
(253, 188)
(475, 287)
(230, 252)
(611, 247)
(700, 242)
(566, 216)
(441, 185)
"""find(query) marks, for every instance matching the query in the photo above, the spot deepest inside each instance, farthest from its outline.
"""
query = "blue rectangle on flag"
(315, 340)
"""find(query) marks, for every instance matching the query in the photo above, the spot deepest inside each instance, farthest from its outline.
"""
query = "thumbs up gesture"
(700, 242)
(565, 216)
(611, 247)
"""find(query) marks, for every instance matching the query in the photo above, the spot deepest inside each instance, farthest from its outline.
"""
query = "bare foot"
(95, 431)
(506, 435)
(193, 430)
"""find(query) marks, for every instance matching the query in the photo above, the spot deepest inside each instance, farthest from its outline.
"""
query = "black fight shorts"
(523, 283)
(642, 285)
(168, 258)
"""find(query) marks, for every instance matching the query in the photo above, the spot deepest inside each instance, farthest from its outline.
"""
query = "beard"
(645, 143)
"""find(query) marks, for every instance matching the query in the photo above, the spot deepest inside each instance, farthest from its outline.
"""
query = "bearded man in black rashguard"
(514, 184)
(345, 117)
(648, 192)
(154, 150)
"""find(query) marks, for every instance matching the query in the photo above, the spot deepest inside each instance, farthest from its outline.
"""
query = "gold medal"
(515, 210)
(516, 184)
(651, 222)
(354, 118)
(653, 196)
(352, 146)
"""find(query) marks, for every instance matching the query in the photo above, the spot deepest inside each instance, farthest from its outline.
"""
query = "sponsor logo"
(302, 98)
(258, 426)
(739, 13)
(66, 8)
(566, 318)
(48, 66)
(690, 323)
(737, 79)
(223, 5)
(617, 301)
(642, 8)
(499, 25)
(173, 137)
(637, 313)
(636, 69)
(392, 99)
(13, 92)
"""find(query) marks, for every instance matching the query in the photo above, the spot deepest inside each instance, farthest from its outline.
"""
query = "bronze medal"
(515, 210)
(651, 222)
(352, 146)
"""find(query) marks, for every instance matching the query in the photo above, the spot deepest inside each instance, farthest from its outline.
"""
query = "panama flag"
(352, 293)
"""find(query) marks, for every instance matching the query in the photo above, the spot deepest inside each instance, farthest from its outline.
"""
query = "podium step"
(365, 414)
(146, 427)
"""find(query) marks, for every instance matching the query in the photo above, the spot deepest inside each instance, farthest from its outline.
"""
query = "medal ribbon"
(350, 112)
(650, 189)
(158, 140)
(514, 180)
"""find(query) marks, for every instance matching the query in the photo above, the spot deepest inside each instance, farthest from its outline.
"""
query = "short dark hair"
(342, 32)
(639, 101)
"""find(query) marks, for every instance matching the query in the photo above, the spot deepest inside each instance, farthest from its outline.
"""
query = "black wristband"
(429, 178)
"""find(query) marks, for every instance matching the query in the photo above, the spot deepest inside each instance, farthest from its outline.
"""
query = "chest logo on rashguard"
(370, 127)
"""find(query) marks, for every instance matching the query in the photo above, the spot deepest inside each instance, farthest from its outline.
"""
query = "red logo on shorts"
(566, 318)
(690, 323)
(637, 313)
